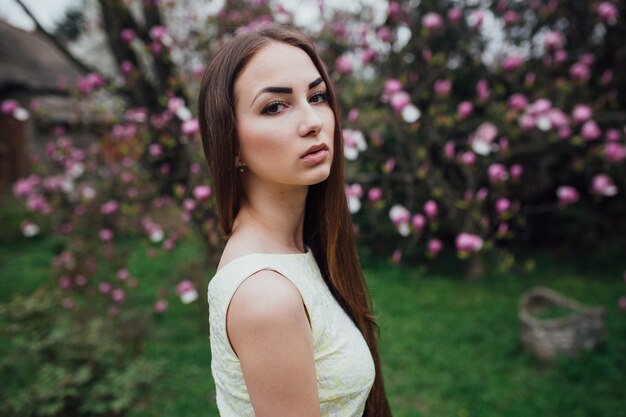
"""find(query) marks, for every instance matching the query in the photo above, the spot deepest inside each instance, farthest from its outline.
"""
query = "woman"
(292, 330)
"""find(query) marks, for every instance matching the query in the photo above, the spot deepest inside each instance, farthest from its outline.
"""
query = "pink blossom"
(9, 106)
(399, 214)
(503, 143)
(184, 286)
(106, 235)
(503, 229)
(621, 304)
(558, 118)
(465, 109)
(400, 100)
(390, 165)
(579, 72)
(560, 56)
(517, 102)
(375, 194)
(105, 287)
(396, 257)
(567, 195)
(448, 150)
(430, 209)
(603, 185)
(353, 115)
(343, 65)
(434, 247)
(65, 283)
(127, 35)
(482, 90)
(590, 130)
(482, 193)
(202, 192)
(497, 173)
(607, 13)
(25, 187)
(109, 207)
(487, 132)
(385, 34)
(526, 121)
(539, 107)
(80, 280)
(454, 14)
(419, 222)
(606, 77)
(392, 86)
(477, 19)
(175, 103)
(186, 291)
(160, 305)
(368, 55)
(467, 243)
(511, 17)
(614, 152)
(503, 205)
(126, 67)
(189, 204)
(190, 127)
(427, 55)
(118, 295)
(613, 135)
(123, 274)
(442, 88)
(581, 113)
(432, 21)
(400, 217)
(516, 171)
(158, 32)
(468, 158)
(553, 40)
(354, 192)
(511, 63)
(29, 228)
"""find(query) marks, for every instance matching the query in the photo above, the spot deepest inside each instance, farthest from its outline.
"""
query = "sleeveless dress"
(343, 363)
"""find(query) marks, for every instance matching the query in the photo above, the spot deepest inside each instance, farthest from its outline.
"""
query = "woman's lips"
(314, 158)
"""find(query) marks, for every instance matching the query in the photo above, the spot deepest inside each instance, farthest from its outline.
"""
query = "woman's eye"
(319, 97)
(273, 108)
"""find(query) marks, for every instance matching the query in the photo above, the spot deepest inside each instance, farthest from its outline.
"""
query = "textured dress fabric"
(343, 363)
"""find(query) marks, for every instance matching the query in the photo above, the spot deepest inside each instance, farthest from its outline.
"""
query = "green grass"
(449, 346)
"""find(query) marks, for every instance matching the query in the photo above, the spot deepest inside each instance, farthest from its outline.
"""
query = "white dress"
(344, 365)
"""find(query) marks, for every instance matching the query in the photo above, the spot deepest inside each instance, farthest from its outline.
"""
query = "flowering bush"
(449, 144)
(60, 365)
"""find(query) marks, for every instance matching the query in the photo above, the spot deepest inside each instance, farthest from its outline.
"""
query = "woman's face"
(284, 121)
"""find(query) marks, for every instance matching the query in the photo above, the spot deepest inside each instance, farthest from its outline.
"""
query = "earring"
(240, 167)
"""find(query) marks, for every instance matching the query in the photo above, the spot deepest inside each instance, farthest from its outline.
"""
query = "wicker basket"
(581, 329)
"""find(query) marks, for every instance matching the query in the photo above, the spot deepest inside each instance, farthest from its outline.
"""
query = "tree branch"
(83, 67)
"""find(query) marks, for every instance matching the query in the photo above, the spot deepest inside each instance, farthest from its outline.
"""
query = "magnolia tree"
(463, 119)
(450, 139)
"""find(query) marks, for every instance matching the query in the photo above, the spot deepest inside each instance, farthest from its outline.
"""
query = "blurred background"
(485, 171)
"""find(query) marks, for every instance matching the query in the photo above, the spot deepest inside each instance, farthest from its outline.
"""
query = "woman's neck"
(272, 220)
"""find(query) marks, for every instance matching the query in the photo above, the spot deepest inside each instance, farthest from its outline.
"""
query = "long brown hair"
(327, 223)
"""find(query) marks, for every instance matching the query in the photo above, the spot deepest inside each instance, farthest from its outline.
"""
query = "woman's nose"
(310, 122)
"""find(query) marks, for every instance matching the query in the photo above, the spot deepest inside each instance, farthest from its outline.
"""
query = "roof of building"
(30, 61)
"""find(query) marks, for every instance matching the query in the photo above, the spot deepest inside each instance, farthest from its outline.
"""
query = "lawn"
(449, 346)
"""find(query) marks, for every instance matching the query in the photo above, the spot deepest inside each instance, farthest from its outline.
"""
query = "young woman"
(292, 329)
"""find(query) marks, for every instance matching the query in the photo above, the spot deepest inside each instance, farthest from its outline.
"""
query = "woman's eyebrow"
(284, 90)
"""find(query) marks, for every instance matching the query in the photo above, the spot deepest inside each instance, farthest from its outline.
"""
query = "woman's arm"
(268, 328)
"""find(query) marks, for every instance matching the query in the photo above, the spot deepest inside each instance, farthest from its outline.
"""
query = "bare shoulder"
(265, 298)
(269, 331)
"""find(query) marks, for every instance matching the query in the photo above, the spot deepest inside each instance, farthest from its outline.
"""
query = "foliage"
(66, 365)
(447, 344)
